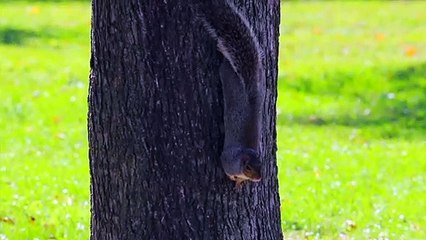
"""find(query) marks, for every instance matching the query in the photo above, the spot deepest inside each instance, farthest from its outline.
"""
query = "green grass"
(351, 120)
(44, 180)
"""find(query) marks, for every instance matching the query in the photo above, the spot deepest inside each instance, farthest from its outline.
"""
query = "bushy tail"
(235, 38)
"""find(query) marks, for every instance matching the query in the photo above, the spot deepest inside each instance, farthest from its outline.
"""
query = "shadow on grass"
(17, 36)
(13, 36)
(403, 104)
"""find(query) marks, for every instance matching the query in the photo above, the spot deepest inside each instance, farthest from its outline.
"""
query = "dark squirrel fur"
(242, 84)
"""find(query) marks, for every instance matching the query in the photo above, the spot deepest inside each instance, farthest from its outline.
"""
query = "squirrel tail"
(235, 38)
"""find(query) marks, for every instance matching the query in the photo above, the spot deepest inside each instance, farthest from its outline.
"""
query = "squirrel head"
(251, 165)
(242, 164)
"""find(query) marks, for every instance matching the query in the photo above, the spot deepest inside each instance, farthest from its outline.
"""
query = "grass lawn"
(351, 120)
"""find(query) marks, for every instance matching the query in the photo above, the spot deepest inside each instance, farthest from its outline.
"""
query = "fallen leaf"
(380, 37)
(7, 220)
(34, 10)
(410, 51)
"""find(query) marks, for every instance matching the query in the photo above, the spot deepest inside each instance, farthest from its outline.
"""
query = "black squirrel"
(243, 87)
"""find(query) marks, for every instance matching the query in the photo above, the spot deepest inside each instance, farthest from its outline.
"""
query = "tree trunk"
(156, 127)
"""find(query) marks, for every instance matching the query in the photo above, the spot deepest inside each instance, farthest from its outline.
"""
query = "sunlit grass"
(351, 120)
(44, 178)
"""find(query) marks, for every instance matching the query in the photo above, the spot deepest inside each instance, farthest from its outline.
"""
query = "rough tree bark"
(155, 127)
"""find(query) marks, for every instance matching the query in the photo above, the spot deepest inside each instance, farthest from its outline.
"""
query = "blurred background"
(351, 119)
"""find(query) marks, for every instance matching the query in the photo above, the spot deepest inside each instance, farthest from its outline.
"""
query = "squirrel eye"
(249, 168)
